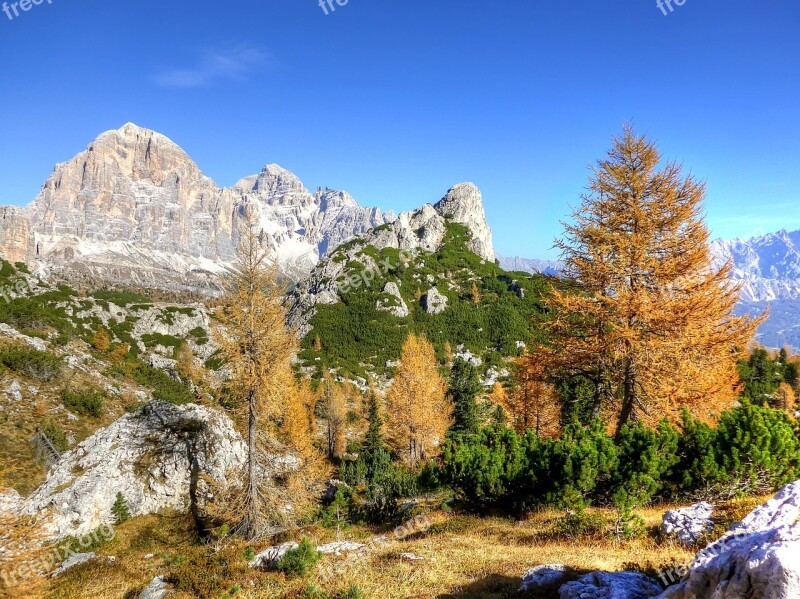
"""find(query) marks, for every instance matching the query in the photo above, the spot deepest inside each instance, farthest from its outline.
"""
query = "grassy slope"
(466, 557)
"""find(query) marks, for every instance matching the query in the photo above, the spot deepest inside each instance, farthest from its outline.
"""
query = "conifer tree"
(465, 385)
(258, 350)
(373, 441)
(120, 509)
(652, 324)
(417, 408)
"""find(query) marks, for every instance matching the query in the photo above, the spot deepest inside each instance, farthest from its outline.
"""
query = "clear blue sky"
(396, 100)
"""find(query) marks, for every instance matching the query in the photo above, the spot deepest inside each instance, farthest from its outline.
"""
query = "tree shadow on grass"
(496, 586)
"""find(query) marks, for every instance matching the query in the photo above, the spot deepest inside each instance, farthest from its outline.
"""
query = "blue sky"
(397, 100)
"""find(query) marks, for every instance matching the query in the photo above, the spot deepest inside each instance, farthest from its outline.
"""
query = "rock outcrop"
(160, 457)
(617, 585)
(689, 524)
(423, 229)
(435, 302)
(758, 558)
(133, 208)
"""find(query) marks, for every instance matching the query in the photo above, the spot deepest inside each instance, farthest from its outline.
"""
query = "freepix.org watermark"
(48, 562)
(329, 6)
(667, 7)
(15, 9)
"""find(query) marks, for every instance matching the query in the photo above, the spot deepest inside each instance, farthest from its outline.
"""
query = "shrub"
(164, 387)
(30, 362)
(120, 510)
(86, 402)
(54, 433)
(297, 562)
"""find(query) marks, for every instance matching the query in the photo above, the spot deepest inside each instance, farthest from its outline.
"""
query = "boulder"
(157, 589)
(435, 302)
(689, 524)
(544, 578)
(758, 558)
(617, 585)
(161, 457)
(269, 558)
(74, 560)
(340, 547)
(393, 303)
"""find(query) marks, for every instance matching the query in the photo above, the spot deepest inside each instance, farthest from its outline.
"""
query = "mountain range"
(134, 209)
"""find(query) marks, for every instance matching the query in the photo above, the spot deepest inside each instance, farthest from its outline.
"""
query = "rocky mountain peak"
(464, 204)
(135, 209)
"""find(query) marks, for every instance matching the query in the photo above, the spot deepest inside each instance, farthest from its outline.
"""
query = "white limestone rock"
(689, 524)
(157, 589)
(340, 547)
(434, 302)
(73, 560)
(35, 343)
(758, 558)
(160, 457)
(393, 303)
(617, 585)
(134, 209)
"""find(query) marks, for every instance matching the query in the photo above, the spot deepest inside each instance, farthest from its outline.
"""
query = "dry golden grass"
(465, 557)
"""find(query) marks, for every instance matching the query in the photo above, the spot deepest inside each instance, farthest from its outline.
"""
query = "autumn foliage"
(418, 412)
(651, 324)
(532, 403)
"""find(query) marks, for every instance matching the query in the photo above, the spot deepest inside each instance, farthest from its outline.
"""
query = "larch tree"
(258, 349)
(652, 323)
(335, 410)
(532, 404)
(785, 398)
(418, 411)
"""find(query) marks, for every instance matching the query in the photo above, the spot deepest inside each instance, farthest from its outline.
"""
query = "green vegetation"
(301, 560)
(355, 333)
(40, 365)
(120, 509)
(121, 298)
(53, 432)
(86, 402)
(165, 388)
(753, 449)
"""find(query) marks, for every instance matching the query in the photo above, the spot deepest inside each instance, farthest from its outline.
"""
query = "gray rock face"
(434, 302)
(464, 204)
(10, 502)
(158, 458)
(758, 558)
(689, 524)
(603, 585)
(134, 208)
(423, 229)
(543, 578)
(16, 237)
(394, 303)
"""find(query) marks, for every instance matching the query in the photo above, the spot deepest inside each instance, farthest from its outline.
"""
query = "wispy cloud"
(229, 63)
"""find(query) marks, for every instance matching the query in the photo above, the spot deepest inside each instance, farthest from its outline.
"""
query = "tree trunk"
(628, 397)
(251, 517)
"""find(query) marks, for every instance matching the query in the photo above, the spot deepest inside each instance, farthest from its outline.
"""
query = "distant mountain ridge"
(135, 209)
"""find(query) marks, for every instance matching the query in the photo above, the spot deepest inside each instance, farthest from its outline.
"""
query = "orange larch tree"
(652, 323)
